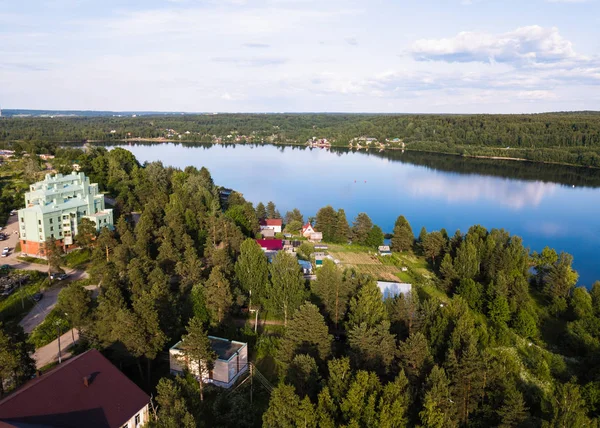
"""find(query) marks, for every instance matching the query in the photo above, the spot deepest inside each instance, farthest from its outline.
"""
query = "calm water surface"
(546, 205)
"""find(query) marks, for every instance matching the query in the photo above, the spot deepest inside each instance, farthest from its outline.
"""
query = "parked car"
(13, 212)
(58, 276)
(5, 252)
(37, 297)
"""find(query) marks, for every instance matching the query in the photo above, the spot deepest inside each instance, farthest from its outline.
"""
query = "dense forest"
(569, 138)
(491, 336)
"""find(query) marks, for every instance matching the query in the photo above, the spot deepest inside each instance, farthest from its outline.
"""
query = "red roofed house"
(85, 391)
(307, 230)
(271, 223)
(270, 244)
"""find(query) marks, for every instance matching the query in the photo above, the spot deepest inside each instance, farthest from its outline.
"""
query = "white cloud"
(536, 95)
(530, 44)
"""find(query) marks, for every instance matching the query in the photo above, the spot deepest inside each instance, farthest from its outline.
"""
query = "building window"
(22, 220)
(40, 230)
(137, 419)
(59, 233)
(39, 221)
(51, 228)
(52, 235)
(50, 221)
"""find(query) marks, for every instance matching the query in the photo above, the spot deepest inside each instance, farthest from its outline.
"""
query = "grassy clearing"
(78, 259)
(33, 260)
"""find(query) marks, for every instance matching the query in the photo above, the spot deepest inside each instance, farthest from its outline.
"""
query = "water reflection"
(465, 188)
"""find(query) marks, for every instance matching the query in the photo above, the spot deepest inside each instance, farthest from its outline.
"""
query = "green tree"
(293, 227)
(472, 292)
(306, 333)
(217, 291)
(261, 212)
(294, 215)
(303, 374)
(332, 290)
(367, 306)
(327, 223)
(75, 301)
(403, 237)
(16, 364)
(53, 253)
(359, 407)
(438, 408)
(287, 285)
(447, 272)
(286, 410)
(252, 270)
(372, 347)
(197, 353)
(360, 229)
(394, 403)
(86, 233)
(172, 408)
(581, 303)
(271, 210)
(466, 262)
(342, 229)
(415, 357)
(376, 237)
(568, 407)
(432, 245)
(513, 411)
(560, 281)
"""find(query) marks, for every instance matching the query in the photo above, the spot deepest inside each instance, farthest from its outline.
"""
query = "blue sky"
(449, 56)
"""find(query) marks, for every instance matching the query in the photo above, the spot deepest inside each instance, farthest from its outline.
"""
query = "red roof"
(270, 244)
(306, 226)
(271, 222)
(60, 398)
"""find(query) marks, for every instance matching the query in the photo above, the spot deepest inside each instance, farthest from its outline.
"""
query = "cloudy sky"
(493, 56)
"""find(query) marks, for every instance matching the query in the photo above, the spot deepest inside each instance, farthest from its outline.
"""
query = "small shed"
(384, 250)
(306, 266)
(231, 362)
(315, 237)
(267, 233)
(321, 247)
(319, 259)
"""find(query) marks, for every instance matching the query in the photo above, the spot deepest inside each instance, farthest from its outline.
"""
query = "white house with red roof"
(307, 230)
(274, 224)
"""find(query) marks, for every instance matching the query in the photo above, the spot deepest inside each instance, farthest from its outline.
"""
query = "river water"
(547, 205)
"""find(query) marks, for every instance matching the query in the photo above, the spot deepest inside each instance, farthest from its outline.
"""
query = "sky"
(386, 56)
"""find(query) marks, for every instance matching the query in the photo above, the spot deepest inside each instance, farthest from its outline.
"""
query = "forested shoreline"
(566, 138)
(490, 335)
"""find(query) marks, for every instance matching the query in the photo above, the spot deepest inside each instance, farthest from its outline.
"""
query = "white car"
(5, 252)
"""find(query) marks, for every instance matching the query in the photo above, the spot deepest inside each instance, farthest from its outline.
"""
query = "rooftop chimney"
(87, 380)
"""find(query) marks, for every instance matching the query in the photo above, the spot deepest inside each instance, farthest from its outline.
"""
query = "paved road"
(49, 353)
(50, 296)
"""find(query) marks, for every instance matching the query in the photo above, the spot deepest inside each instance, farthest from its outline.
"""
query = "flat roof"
(224, 348)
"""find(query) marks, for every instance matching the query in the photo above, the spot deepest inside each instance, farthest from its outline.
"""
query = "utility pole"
(251, 384)
(21, 292)
(59, 352)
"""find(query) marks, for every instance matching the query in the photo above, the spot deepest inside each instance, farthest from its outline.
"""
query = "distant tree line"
(572, 138)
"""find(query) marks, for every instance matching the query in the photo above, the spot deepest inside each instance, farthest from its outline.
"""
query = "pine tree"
(367, 306)
(332, 290)
(197, 353)
(327, 223)
(375, 237)
(394, 403)
(75, 302)
(286, 410)
(372, 348)
(433, 244)
(261, 212)
(360, 229)
(513, 411)
(466, 262)
(342, 229)
(306, 333)
(172, 408)
(438, 409)
(359, 407)
(447, 272)
(271, 210)
(217, 291)
(403, 237)
(415, 357)
(86, 233)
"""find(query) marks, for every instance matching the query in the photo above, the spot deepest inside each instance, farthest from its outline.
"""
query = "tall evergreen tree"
(438, 408)
(217, 291)
(403, 237)
(367, 306)
(332, 290)
(342, 229)
(261, 211)
(327, 223)
(360, 229)
(196, 351)
(271, 210)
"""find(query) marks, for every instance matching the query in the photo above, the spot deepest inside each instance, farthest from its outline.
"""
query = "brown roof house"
(231, 362)
(85, 391)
